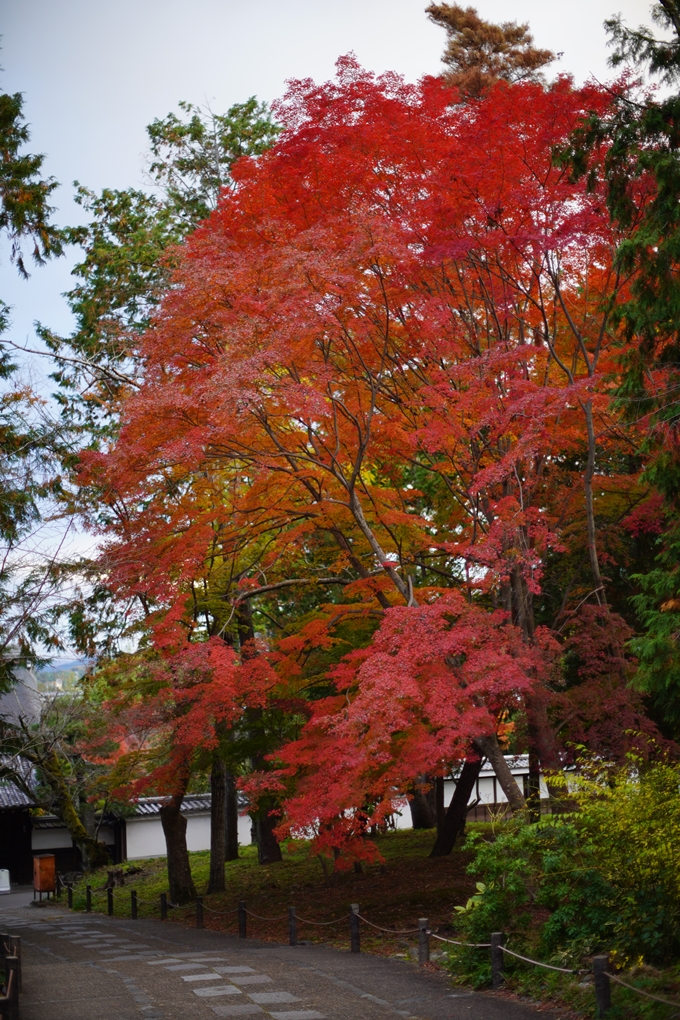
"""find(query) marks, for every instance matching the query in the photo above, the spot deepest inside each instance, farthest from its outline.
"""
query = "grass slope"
(394, 895)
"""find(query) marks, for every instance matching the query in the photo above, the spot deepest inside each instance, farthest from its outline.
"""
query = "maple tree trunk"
(218, 831)
(455, 816)
(490, 748)
(268, 849)
(180, 882)
(534, 787)
(421, 806)
(439, 809)
(231, 820)
(590, 509)
(245, 628)
(543, 751)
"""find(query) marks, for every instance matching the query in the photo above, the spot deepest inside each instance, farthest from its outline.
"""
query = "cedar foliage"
(479, 53)
(637, 169)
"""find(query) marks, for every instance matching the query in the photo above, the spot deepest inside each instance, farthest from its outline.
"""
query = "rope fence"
(641, 991)
(391, 931)
(600, 970)
(222, 912)
(452, 942)
(320, 924)
(538, 963)
(602, 976)
(281, 917)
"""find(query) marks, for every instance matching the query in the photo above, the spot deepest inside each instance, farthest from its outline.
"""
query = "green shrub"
(604, 877)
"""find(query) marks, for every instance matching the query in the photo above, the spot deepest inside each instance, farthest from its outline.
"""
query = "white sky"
(94, 73)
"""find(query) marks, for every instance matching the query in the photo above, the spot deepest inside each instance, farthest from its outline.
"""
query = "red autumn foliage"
(169, 710)
(383, 361)
(432, 678)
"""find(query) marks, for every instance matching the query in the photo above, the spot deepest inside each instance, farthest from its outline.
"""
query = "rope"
(390, 931)
(212, 911)
(281, 918)
(470, 945)
(319, 924)
(537, 963)
(648, 995)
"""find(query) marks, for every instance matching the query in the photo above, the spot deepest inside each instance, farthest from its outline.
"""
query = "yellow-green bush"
(604, 877)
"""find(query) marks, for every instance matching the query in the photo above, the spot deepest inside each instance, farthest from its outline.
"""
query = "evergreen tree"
(479, 53)
(640, 139)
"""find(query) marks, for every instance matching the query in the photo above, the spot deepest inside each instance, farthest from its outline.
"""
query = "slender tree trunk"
(490, 748)
(439, 809)
(542, 745)
(94, 853)
(181, 884)
(87, 817)
(590, 506)
(454, 819)
(231, 820)
(534, 787)
(268, 849)
(218, 834)
(422, 815)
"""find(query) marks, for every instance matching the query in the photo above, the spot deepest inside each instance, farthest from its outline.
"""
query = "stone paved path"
(90, 967)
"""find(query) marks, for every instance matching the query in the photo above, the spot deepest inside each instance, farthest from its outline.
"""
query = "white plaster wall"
(144, 838)
(145, 835)
(402, 815)
(244, 830)
(198, 832)
(50, 839)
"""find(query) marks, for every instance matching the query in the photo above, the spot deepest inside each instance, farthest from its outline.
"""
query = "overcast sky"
(94, 74)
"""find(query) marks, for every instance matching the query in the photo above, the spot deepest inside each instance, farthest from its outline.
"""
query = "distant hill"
(60, 676)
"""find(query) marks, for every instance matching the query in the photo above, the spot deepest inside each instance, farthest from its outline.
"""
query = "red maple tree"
(393, 336)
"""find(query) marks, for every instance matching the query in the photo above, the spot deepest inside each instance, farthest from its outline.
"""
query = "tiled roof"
(47, 822)
(10, 795)
(518, 764)
(192, 802)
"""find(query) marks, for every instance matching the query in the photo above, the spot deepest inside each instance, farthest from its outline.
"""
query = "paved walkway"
(90, 967)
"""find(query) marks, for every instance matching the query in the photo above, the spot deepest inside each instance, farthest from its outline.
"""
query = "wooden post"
(603, 988)
(133, 904)
(69, 893)
(497, 940)
(354, 936)
(242, 919)
(109, 901)
(423, 941)
(164, 906)
(199, 911)
(11, 1010)
(15, 950)
(292, 927)
(58, 884)
(88, 899)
